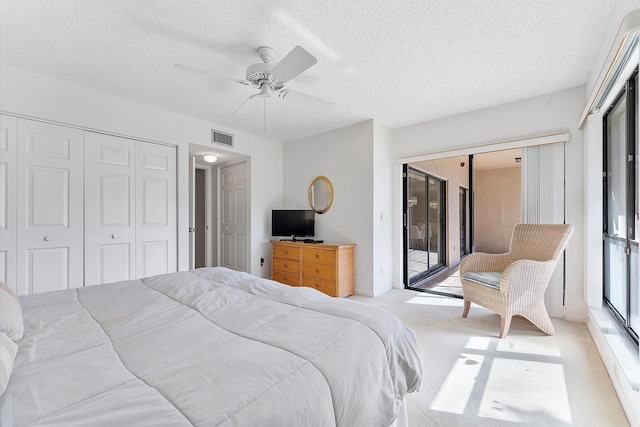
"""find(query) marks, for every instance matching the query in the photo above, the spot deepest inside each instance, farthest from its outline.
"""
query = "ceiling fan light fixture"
(210, 158)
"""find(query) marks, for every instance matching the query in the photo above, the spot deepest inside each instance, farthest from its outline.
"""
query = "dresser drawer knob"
(317, 270)
(317, 255)
(317, 286)
(285, 265)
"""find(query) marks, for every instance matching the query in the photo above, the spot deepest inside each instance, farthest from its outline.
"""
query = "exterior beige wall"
(498, 208)
(455, 175)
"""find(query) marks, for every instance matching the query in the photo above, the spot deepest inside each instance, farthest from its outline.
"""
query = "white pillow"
(10, 314)
(8, 351)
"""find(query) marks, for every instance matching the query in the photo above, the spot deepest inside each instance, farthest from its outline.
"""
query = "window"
(620, 237)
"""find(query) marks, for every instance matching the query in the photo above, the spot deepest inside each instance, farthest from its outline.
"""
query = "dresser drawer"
(286, 252)
(319, 271)
(286, 265)
(323, 286)
(286, 278)
(322, 256)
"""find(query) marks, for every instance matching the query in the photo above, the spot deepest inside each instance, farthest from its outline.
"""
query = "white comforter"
(208, 347)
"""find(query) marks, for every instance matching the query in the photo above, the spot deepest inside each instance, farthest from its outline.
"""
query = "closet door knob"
(47, 238)
(114, 236)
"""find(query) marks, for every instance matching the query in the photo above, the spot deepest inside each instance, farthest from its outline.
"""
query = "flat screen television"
(293, 223)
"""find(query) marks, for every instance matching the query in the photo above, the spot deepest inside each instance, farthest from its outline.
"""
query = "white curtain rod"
(621, 43)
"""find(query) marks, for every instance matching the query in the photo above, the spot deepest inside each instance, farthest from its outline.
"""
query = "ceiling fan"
(270, 79)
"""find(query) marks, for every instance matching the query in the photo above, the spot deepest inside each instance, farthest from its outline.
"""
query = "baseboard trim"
(628, 393)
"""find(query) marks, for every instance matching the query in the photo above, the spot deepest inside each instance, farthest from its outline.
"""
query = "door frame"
(208, 206)
(629, 241)
(464, 217)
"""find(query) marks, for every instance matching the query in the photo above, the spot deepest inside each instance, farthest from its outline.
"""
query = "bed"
(210, 347)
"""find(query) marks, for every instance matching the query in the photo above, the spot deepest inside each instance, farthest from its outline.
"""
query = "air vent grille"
(218, 137)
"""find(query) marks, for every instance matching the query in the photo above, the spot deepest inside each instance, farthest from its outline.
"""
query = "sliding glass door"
(621, 205)
(425, 228)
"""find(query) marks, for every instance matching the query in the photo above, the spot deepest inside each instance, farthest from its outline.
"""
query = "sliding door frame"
(442, 232)
(629, 240)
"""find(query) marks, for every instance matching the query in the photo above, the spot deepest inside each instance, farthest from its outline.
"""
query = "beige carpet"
(472, 378)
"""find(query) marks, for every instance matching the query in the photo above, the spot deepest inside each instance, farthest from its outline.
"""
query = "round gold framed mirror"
(320, 194)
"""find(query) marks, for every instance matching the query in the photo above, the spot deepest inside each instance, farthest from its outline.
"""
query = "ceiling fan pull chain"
(265, 113)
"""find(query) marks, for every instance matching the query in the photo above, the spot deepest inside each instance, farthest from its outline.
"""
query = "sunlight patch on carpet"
(442, 301)
(542, 346)
(457, 388)
(523, 391)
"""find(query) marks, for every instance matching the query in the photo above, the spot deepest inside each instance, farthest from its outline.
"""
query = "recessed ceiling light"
(210, 158)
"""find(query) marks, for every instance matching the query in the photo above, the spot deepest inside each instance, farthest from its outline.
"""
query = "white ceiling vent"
(218, 137)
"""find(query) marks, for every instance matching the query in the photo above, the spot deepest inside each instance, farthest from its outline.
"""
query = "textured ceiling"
(399, 61)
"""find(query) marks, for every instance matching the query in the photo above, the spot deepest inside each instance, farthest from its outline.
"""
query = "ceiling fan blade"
(296, 61)
(208, 73)
(305, 100)
(245, 101)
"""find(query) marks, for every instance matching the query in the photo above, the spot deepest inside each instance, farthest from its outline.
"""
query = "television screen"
(293, 223)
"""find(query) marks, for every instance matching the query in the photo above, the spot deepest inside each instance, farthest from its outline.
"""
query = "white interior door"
(50, 214)
(233, 218)
(109, 208)
(8, 177)
(156, 240)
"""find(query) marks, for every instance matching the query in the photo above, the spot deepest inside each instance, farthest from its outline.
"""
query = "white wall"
(382, 209)
(36, 96)
(497, 208)
(345, 156)
(543, 115)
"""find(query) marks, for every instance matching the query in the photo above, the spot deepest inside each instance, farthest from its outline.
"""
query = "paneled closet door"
(109, 188)
(156, 240)
(50, 208)
(233, 218)
(8, 177)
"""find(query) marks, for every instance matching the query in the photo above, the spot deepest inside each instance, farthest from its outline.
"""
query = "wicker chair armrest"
(480, 261)
(525, 275)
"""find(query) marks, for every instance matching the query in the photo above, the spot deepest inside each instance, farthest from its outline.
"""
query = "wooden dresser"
(326, 267)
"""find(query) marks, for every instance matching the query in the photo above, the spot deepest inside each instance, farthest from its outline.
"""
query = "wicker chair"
(514, 283)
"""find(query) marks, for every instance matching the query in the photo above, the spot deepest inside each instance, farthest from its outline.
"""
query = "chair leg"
(467, 306)
(543, 322)
(505, 323)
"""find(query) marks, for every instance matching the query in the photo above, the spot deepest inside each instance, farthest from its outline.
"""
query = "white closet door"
(8, 177)
(109, 208)
(156, 240)
(233, 220)
(50, 212)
